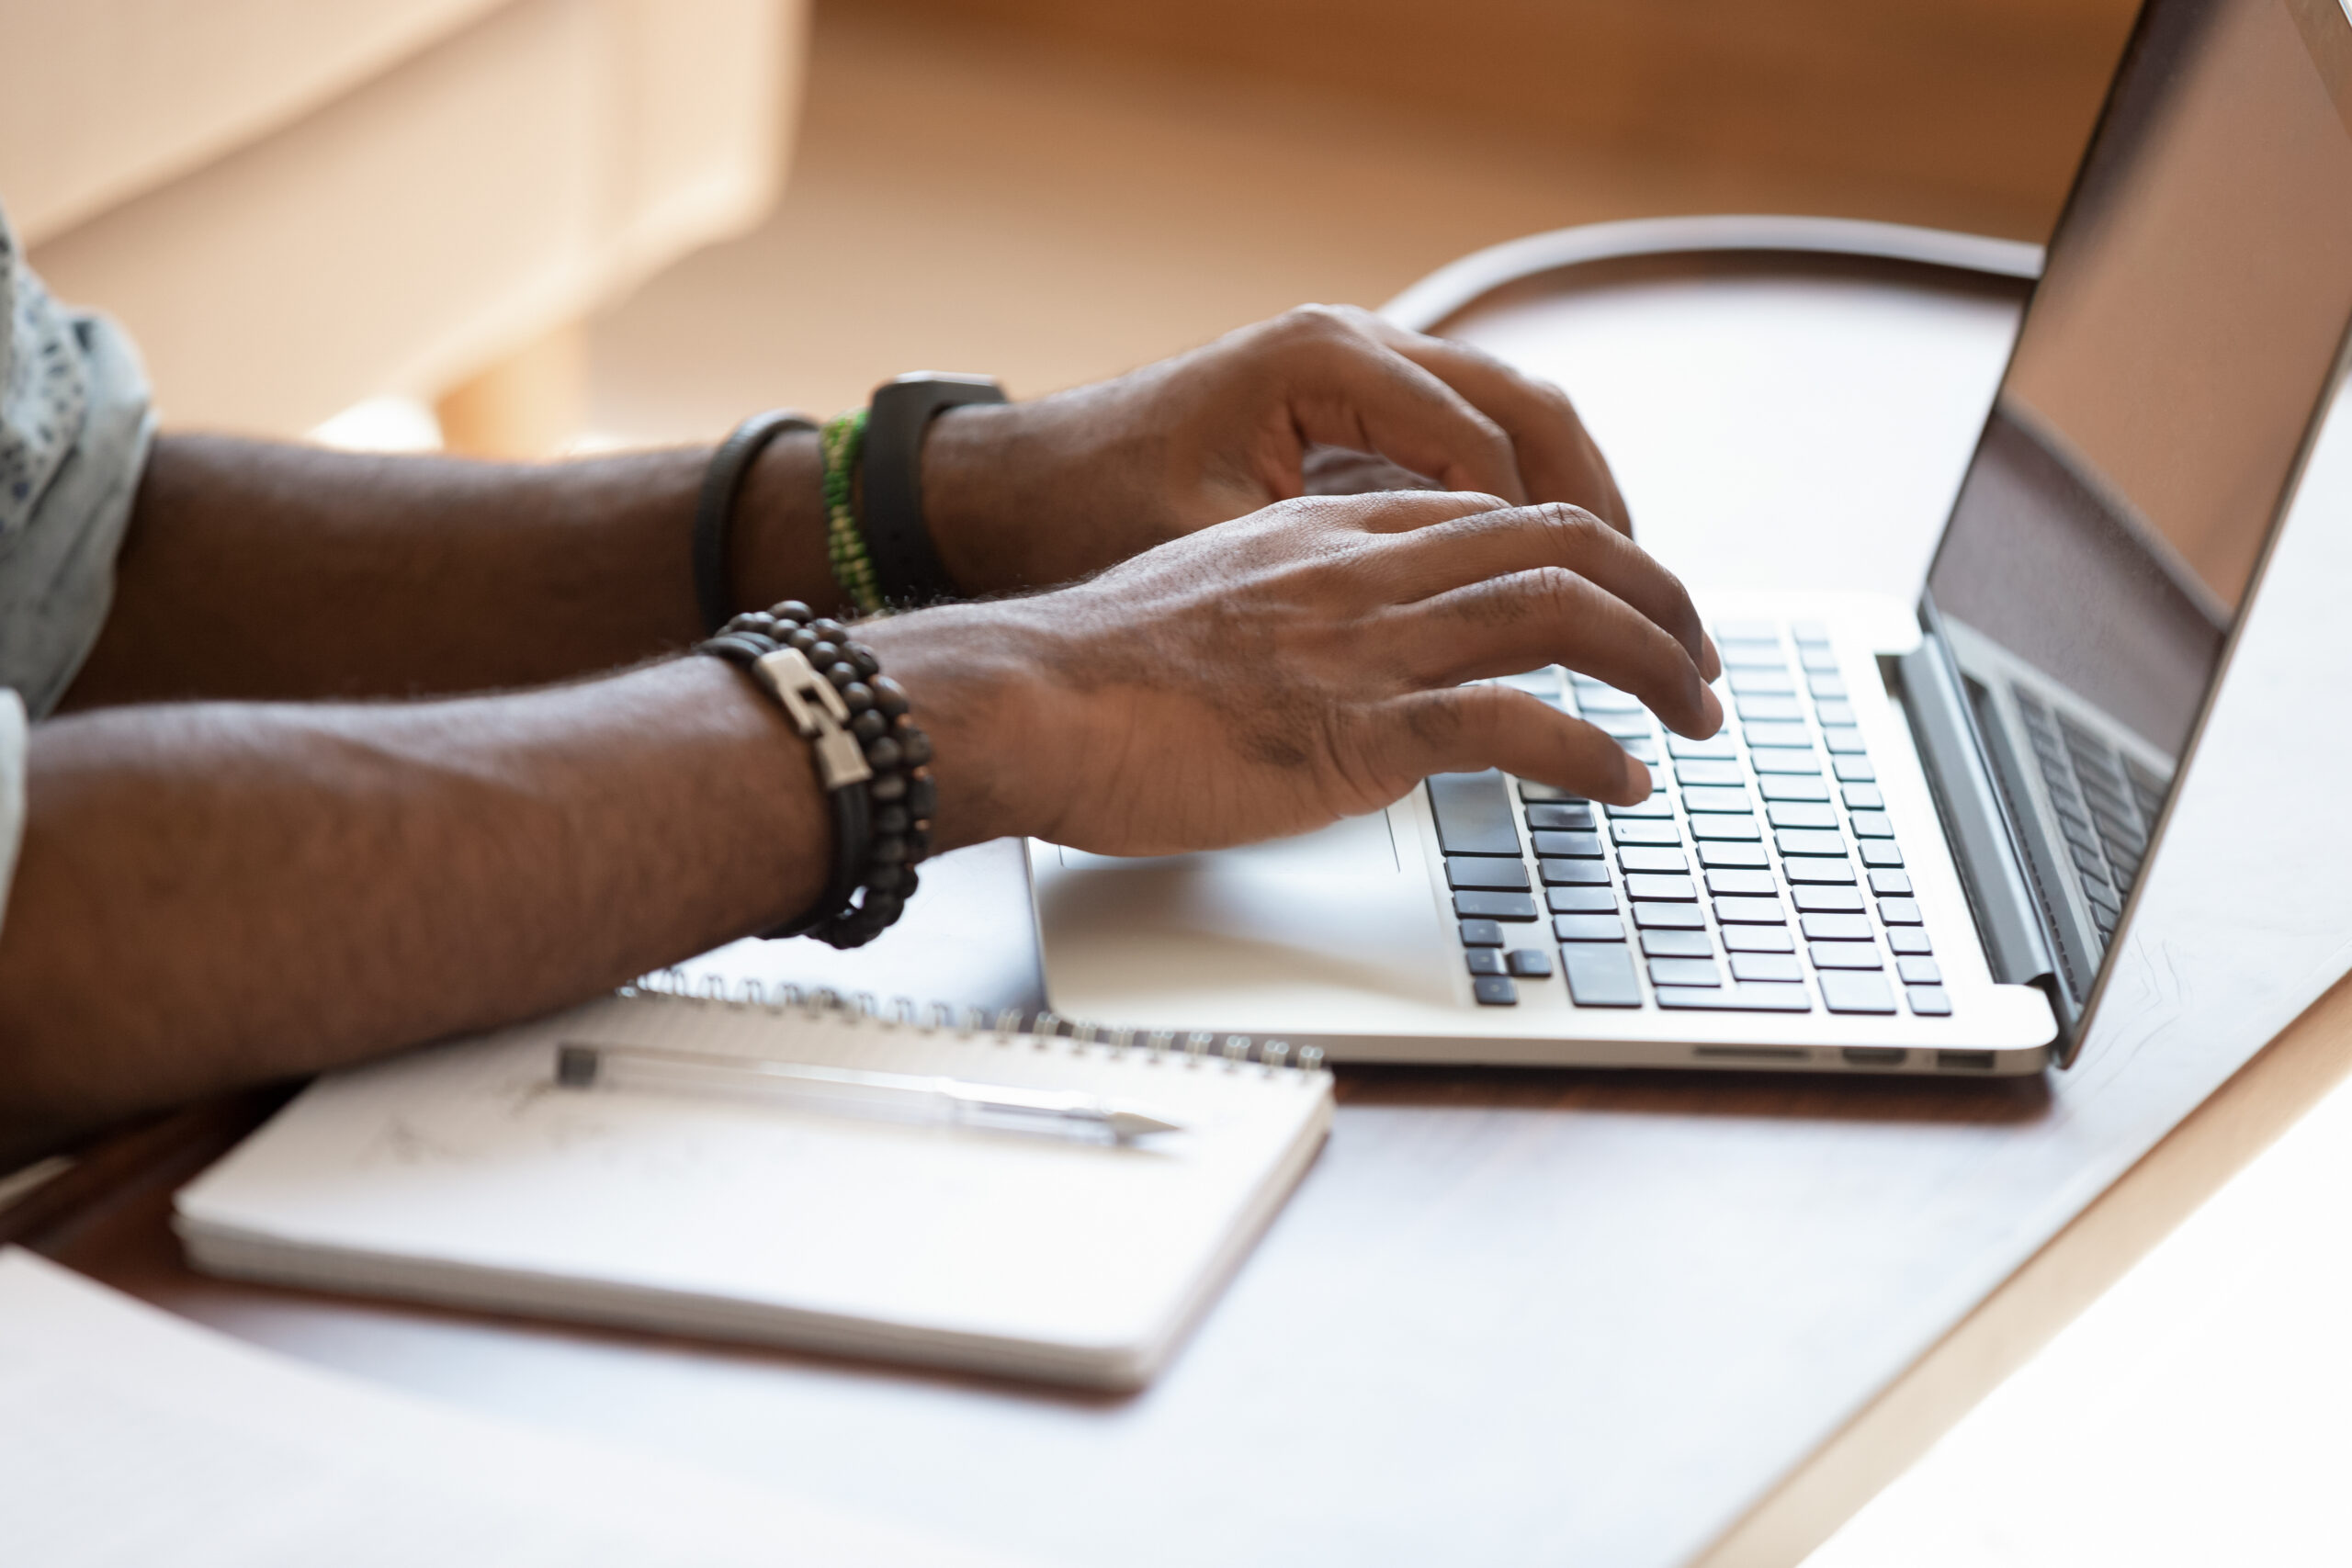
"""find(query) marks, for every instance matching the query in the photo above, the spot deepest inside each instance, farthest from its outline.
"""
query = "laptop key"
(1872, 825)
(1601, 976)
(1736, 998)
(1836, 928)
(1908, 938)
(1718, 744)
(1758, 939)
(1787, 762)
(1891, 884)
(1900, 911)
(1481, 933)
(1802, 814)
(1649, 858)
(1768, 709)
(1846, 991)
(1473, 814)
(1485, 870)
(1568, 846)
(1880, 851)
(1601, 901)
(1533, 793)
(1828, 900)
(1825, 683)
(1725, 826)
(1669, 917)
(1718, 853)
(1659, 804)
(1797, 788)
(1495, 991)
(1531, 964)
(1853, 769)
(1862, 797)
(1715, 799)
(1809, 841)
(1834, 713)
(1750, 912)
(1775, 968)
(1741, 885)
(1588, 928)
(1640, 830)
(1494, 906)
(1706, 771)
(1574, 873)
(1918, 972)
(1563, 819)
(1818, 660)
(1771, 735)
(1928, 1001)
(1763, 681)
(1670, 890)
(1842, 740)
(1817, 869)
(1677, 945)
(1484, 961)
(1843, 955)
(1684, 972)
(1643, 751)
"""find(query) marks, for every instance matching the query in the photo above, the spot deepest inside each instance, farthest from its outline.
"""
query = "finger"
(1493, 543)
(1557, 457)
(1550, 616)
(1344, 389)
(1468, 728)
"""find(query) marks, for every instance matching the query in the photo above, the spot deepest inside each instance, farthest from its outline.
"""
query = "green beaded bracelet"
(841, 440)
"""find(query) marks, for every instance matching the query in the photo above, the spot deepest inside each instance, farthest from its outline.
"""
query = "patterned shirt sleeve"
(74, 428)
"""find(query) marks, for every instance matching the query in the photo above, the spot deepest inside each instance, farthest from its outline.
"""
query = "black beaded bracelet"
(873, 761)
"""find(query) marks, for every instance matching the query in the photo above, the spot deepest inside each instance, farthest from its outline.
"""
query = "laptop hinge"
(1992, 872)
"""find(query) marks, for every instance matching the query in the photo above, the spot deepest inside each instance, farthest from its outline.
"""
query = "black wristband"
(715, 509)
(871, 761)
(896, 539)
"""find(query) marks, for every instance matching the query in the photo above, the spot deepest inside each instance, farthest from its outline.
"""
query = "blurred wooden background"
(1054, 190)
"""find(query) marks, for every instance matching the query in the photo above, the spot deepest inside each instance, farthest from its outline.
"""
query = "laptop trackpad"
(1320, 925)
(1353, 846)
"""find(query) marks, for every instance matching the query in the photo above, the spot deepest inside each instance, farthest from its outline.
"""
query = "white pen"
(848, 1088)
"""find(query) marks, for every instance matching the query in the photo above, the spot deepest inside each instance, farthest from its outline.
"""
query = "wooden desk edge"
(2216, 1141)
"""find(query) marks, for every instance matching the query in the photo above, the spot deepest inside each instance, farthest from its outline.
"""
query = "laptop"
(1915, 843)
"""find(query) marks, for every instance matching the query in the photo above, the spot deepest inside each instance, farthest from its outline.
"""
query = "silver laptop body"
(1916, 841)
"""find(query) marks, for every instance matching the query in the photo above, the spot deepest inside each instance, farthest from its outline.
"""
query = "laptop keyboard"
(2105, 802)
(1762, 875)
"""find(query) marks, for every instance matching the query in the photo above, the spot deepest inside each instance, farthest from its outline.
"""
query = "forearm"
(213, 895)
(265, 569)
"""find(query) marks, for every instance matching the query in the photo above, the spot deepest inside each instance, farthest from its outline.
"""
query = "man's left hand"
(1029, 494)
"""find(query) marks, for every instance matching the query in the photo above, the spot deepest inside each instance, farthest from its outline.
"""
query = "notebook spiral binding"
(1042, 1030)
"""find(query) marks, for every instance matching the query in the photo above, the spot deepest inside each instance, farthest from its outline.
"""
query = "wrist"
(778, 544)
(979, 679)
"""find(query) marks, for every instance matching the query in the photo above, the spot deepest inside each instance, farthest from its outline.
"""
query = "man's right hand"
(1270, 675)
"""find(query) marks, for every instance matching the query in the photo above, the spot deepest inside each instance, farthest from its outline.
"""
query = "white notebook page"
(479, 1180)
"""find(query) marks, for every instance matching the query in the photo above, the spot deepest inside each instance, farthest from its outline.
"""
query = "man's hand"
(1030, 494)
(1268, 675)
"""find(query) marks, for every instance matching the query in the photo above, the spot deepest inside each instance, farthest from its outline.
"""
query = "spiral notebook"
(466, 1174)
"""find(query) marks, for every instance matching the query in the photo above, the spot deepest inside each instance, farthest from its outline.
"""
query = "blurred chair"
(297, 205)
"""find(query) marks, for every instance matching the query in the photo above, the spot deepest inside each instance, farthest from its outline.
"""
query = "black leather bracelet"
(896, 539)
(722, 481)
(870, 759)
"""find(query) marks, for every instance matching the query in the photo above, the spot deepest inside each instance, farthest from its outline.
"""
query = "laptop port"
(1751, 1053)
(1875, 1056)
(1965, 1061)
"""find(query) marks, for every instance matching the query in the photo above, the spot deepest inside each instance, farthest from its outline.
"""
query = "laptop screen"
(2172, 361)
